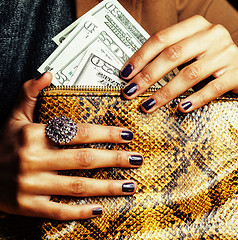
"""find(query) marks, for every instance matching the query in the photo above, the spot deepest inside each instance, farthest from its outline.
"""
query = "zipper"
(55, 90)
(88, 89)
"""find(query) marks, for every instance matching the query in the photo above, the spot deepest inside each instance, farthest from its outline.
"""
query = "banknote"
(110, 12)
(108, 22)
(64, 60)
(96, 71)
(60, 37)
(107, 33)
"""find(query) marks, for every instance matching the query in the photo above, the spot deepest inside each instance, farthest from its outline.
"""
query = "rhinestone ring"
(61, 129)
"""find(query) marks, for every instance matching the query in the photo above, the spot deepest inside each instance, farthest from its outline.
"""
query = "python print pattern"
(188, 184)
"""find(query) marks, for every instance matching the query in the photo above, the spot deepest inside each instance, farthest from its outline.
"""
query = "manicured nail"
(149, 104)
(126, 71)
(128, 187)
(97, 211)
(127, 135)
(136, 160)
(130, 89)
(40, 76)
(186, 105)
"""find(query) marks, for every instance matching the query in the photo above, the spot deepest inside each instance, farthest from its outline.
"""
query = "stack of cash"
(93, 49)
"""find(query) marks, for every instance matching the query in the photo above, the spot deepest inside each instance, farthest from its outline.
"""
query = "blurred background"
(234, 3)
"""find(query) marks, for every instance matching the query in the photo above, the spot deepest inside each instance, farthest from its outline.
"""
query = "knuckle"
(118, 159)
(202, 98)
(145, 77)
(198, 18)
(83, 214)
(165, 94)
(219, 88)
(26, 133)
(84, 158)
(173, 53)
(161, 36)
(220, 30)
(20, 182)
(113, 134)
(191, 72)
(111, 188)
(60, 213)
(26, 160)
(138, 58)
(77, 187)
(83, 130)
(232, 49)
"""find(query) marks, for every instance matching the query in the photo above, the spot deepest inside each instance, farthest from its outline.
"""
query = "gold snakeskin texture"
(188, 184)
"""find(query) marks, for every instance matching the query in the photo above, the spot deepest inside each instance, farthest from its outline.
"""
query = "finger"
(92, 133)
(41, 206)
(160, 41)
(210, 92)
(174, 56)
(188, 77)
(83, 159)
(34, 134)
(28, 97)
(53, 184)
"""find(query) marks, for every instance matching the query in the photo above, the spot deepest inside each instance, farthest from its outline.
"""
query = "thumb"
(28, 96)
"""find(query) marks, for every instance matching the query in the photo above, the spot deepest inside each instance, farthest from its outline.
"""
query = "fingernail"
(130, 89)
(97, 211)
(149, 104)
(128, 187)
(127, 135)
(40, 76)
(186, 105)
(126, 71)
(136, 160)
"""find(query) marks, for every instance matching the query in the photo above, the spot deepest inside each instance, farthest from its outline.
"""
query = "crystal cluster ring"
(61, 129)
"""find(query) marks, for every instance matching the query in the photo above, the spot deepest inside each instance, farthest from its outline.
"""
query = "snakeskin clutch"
(188, 185)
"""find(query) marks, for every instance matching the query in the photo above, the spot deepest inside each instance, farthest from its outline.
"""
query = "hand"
(29, 161)
(194, 38)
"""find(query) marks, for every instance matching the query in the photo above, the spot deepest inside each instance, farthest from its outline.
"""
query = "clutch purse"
(188, 184)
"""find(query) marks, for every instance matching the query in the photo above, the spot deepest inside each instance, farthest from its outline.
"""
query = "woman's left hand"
(195, 38)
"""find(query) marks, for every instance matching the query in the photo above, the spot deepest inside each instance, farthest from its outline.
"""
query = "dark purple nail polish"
(126, 71)
(149, 104)
(136, 160)
(130, 89)
(128, 187)
(127, 135)
(97, 211)
(186, 105)
(40, 76)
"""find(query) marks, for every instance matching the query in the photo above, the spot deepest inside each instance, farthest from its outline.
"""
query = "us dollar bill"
(64, 60)
(95, 71)
(60, 37)
(110, 12)
(108, 22)
(118, 33)
(107, 33)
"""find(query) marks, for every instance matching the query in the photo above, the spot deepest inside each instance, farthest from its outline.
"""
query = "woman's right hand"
(30, 161)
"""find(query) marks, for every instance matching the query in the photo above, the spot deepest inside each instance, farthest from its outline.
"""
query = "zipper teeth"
(112, 89)
(90, 89)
